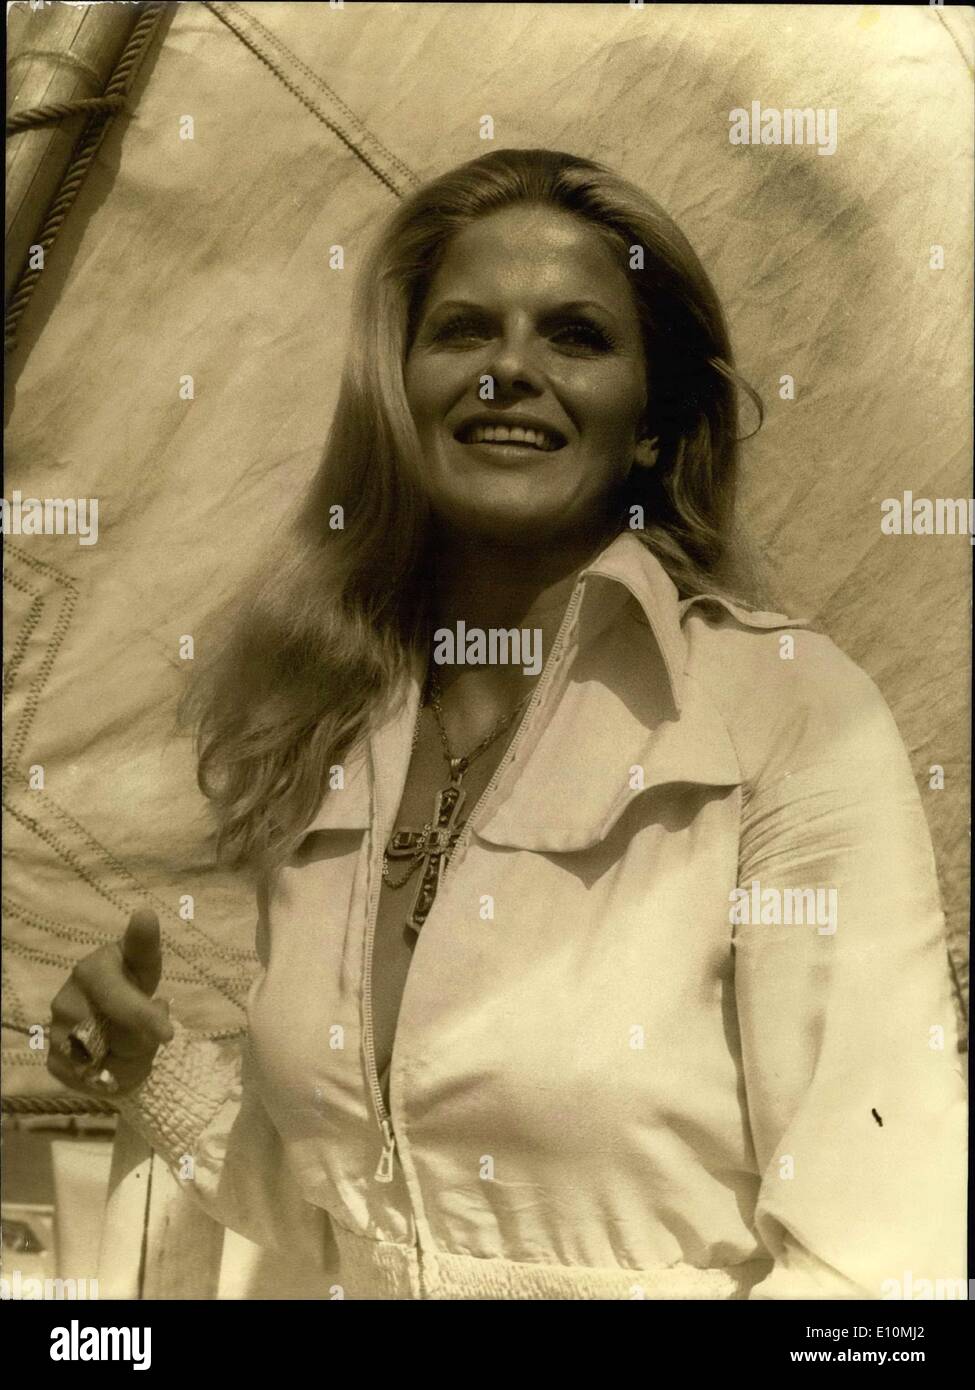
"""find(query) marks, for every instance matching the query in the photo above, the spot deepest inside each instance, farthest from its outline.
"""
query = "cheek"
(420, 388)
(431, 389)
(609, 404)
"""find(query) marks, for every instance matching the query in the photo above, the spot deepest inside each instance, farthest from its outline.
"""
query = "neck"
(486, 585)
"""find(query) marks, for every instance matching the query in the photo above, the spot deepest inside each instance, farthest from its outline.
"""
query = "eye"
(576, 333)
(453, 327)
(586, 333)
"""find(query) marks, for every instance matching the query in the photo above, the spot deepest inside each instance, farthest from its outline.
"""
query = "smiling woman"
(568, 1066)
(520, 276)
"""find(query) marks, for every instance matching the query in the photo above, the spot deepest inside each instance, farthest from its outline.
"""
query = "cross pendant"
(433, 841)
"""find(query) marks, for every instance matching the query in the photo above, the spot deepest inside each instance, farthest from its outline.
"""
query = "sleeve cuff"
(191, 1079)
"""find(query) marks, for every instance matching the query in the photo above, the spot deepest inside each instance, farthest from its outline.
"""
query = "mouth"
(510, 438)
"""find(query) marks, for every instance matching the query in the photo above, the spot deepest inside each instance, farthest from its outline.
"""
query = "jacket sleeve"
(854, 1086)
(200, 1109)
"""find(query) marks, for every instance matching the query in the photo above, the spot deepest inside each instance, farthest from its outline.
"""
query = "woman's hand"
(114, 985)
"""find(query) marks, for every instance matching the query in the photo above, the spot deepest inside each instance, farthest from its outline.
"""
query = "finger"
(141, 950)
(69, 1007)
(104, 980)
(132, 1017)
(70, 1074)
(73, 1005)
(81, 1079)
(129, 1057)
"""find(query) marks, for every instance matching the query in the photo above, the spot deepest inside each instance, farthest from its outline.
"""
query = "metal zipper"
(533, 703)
(384, 1169)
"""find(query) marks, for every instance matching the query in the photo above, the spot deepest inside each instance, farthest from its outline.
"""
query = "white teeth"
(509, 434)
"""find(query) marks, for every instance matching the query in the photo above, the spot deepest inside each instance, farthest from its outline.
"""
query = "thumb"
(141, 951)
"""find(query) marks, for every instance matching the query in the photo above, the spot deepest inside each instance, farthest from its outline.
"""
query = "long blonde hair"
(324, 633)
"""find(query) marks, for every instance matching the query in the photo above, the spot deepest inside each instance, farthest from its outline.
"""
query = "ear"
(647, 450)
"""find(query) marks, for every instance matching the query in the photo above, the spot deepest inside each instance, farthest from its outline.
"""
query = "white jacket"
(613, 1076)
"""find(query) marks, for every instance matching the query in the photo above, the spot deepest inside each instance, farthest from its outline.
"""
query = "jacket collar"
(628, 566)
(637, 702)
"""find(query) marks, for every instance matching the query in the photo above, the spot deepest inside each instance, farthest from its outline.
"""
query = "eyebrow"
(572, 307)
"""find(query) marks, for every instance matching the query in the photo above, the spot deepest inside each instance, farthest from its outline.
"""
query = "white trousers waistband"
(371, 1269)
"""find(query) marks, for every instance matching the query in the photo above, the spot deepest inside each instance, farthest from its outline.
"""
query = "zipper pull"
(384, 1172)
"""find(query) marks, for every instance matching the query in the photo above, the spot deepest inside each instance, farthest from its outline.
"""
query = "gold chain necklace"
(433, 844)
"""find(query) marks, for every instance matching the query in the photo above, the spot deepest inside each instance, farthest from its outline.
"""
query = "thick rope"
(91, 138)
(55, 1105)
(36, 116)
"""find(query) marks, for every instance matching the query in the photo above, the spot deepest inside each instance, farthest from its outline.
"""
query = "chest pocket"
(596, 760)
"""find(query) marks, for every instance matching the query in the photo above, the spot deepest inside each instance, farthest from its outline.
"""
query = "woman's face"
(531, 297)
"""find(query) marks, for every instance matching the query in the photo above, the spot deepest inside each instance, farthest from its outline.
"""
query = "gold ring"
(87, 1042)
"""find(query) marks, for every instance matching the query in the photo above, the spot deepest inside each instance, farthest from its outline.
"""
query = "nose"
(513, 361)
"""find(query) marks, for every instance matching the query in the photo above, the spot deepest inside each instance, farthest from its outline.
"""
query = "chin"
(514, 508)
(511, 526)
